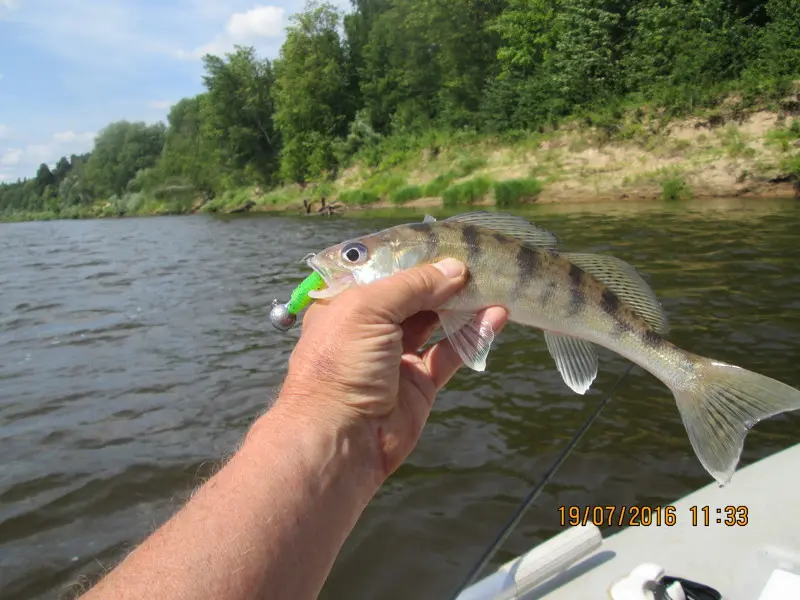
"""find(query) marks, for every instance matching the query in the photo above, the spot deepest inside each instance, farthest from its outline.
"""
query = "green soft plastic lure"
(284, 316)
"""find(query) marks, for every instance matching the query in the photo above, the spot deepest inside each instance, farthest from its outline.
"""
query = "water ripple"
(136, 352)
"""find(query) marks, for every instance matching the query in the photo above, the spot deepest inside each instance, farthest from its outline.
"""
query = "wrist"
(333, 444)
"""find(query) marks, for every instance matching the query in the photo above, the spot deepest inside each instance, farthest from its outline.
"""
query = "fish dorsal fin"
(428, 219)
(512, 225)
(576, 360)
(622, 279)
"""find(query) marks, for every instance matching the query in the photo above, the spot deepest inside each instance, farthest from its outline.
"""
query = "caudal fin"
(721, 404)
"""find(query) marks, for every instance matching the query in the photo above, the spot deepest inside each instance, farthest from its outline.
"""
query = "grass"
(466, 192)
(469, 164)
(783, 137)
(406, 194)
(382, 184)
(359, 197)
(735, 143)
(515, 191)
(439, 184)
(674, 188)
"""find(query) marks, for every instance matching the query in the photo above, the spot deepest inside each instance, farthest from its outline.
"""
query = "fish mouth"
(335, 283)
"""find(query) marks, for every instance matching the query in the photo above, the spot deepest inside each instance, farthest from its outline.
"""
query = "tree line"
(355, 86)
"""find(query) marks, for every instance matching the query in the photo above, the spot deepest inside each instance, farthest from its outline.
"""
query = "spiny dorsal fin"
(512, 225)
(622, 279)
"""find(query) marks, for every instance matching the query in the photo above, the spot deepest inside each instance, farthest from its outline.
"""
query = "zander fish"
(578, 300)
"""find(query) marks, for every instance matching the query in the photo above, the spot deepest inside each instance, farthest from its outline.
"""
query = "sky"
(70, 67)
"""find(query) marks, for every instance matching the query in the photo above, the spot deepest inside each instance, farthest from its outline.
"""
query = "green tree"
(781, 39)
(192, 153)
(44, 179)
(122, 149)
(239, 111)
(427, 62)
(313, 97)
(662, 63)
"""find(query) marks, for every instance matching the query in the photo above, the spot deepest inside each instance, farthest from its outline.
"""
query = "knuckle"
(421, 279)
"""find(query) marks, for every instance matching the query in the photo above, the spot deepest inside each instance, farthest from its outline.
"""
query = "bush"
(675, 188)
(436, 186)
(469, 164)
(383, 184)
(466, 192)
(515, 191)
(406, 194)
(358, 197)
(783, 137)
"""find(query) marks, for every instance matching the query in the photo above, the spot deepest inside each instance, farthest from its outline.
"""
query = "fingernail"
(451, 267)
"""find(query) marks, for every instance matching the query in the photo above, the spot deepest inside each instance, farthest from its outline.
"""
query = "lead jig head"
(280, 317)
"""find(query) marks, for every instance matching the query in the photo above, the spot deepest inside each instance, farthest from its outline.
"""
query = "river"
(135, 353)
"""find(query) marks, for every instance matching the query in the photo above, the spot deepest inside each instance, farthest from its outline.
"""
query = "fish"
(580, 301)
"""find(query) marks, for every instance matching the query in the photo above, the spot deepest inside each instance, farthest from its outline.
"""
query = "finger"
(408, 292)
(417, 329)
(442, 360)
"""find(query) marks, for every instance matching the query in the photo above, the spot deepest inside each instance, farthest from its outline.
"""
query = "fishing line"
(534, 493)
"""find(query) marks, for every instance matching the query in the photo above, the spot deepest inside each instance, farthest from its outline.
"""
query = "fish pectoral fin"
(510, 225)
(576, 360)
(626, 283)
(470, 336)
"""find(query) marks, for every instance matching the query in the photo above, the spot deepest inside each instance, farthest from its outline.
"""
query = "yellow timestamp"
(624, 515)
(732, 516)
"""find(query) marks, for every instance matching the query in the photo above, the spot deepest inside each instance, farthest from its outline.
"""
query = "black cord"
(531, 497)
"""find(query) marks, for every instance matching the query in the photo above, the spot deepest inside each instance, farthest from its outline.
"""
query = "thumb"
(417, 289)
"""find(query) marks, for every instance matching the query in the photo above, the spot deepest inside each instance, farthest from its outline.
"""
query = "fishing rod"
(534, 493)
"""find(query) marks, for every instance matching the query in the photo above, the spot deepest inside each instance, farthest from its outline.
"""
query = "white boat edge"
(750, 551)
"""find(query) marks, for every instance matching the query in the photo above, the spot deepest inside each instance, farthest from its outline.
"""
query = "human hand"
(357, 358)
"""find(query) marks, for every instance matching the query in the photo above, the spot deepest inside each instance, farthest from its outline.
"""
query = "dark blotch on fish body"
(610, 302)
(651, 338)
(577, 298)
(548, 293)
(469, 234)
(528, 262)
(431, 236)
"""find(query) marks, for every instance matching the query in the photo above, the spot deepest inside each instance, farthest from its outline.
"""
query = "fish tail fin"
(720, 404)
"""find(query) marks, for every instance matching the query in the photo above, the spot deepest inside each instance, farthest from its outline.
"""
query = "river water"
(135, 353)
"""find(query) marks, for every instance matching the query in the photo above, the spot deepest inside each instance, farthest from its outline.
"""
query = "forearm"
(268, 524)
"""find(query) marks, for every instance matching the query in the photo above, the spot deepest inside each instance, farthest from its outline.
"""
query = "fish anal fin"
(576, 360)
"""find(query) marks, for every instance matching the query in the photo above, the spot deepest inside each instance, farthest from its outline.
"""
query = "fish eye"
(355, 253)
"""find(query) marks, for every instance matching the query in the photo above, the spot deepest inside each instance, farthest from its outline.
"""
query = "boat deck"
(737, 560)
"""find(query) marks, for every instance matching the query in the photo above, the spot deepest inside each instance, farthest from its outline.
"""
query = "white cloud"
(7, 6)
(159, 104)
(4, 131)
(264, 21)
(6, 177)
(23, 162)
(248, 28)
(11, 158)
(71, 136)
